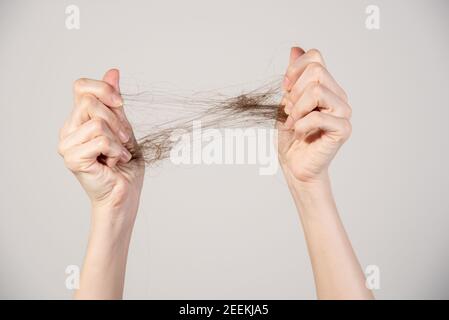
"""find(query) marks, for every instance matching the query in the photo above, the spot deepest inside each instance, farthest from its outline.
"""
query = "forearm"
(337, 272)
(104, 267)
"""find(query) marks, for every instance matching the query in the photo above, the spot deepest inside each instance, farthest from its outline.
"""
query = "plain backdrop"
(225, 231)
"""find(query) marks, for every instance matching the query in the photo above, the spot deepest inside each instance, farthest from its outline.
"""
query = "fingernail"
(117, 100)
(126, 156)
(123, 136)
(289, 122)
(286, 83)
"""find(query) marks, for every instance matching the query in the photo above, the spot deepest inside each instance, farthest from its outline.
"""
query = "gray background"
(224, 231)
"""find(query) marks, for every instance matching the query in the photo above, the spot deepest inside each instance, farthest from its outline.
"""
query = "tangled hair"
(258, 107)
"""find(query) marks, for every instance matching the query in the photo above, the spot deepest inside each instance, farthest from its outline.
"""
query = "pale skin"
(94, 142)
(98, 127)
(317, 125)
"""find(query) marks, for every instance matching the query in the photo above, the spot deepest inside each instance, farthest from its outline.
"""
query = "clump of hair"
(258, 107)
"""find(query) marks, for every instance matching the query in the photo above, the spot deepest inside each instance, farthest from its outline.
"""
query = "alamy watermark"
(372, 21)
(72, 281)
(372, 277)
(234, 146)
(72, 20)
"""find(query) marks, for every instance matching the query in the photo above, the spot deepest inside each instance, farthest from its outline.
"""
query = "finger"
(112, 77)
(63, 132)
(295, 53)
(90, 107)
(315, 72)
(285, 102)
(87, 131)
(318, 96)
(295, 70)
(336, 128)
(81, 157)
(103, 91)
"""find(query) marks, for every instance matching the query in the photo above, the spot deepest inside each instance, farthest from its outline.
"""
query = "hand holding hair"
(313, 118)
(318, 124)
(318, 120)
(95, 143)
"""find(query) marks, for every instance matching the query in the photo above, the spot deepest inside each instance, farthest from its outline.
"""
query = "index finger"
(296, 68)
(100, 89)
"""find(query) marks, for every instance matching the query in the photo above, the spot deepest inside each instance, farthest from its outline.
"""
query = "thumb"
(112, 77)
(295, 53)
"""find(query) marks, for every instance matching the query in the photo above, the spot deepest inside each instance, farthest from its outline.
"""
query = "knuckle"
(61, 149)
(317, 70)
(348, 112)
(315, 54)
(295, 94)
(98, 125)
(87, 100)
(292, 70)
(317, 90)
(104, 142)
(105, 88)
(61, 132)
(78, 84)
(294, 114)
(346, 128)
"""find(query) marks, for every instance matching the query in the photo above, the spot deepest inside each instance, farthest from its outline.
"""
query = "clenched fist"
(95, 143)
(318, 117)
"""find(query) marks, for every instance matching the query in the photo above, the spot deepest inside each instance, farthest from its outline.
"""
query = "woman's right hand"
(95, 143)
(318, 118)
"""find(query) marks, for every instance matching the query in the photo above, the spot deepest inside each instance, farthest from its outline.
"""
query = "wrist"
(109, 238)
(312, 186)
(313, 197)
(105, 261)
(112, 222)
